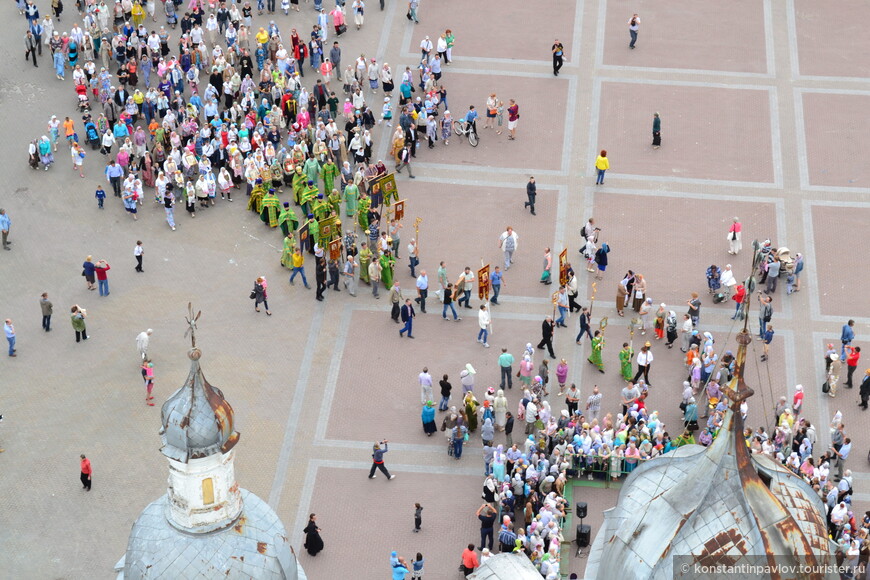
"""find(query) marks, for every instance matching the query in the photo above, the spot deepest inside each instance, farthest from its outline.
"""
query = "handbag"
(342, 28)
(408, 16)
(638, 295)
(84, 273)
(253, 295)
(826, 388)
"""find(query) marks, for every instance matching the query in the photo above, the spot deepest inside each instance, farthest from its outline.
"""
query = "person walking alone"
(405, 161)
(657, 131)
(86, 473)
(378, 460)
(483, 318)
(407, 314)
(142, 340)
(9, 329)
(734, 243)
(558, 52)
(531, 193)
(508, 244)
(5, 222)
(633, 27)
(138, 252)
(602, 164)
(77, 317)
(47, 308)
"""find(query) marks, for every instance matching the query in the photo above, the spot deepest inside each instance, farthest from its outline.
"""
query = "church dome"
(196, 420)
(719, 504)
(256, 546)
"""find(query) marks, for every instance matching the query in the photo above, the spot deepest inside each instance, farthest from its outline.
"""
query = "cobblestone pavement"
(761, 106)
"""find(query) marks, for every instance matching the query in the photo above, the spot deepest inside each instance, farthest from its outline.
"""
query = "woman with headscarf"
(45, 154)
(639, 292)
(487, 431)
(428, 418)
(498, 465)
(671, 328)
(466, 377)
(499, 407)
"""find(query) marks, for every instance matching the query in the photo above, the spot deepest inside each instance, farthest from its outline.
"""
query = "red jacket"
(852, 357)
(739, 294)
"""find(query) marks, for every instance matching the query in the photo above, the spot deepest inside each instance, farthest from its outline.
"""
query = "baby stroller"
(92, 136)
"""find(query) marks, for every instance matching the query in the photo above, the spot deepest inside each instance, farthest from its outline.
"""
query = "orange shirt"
(469, 559)
(68, 127)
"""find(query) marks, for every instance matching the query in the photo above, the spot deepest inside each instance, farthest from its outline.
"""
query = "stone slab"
(836, 129)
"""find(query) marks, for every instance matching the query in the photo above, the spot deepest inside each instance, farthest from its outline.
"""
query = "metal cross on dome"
(191, 324)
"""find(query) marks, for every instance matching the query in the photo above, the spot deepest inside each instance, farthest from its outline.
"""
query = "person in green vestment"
(313, 232)
(351, 199)
(287, 252)
(311, 168)
(471, 405)
(255, 202)
(365, 258)
(365, 203)
(271, 207)
(329, 172)
(287, 220)
(387, 263)
(320, 208)
(625, 361)
(597, 345)
(334, 199)
(307, 197)
(300, 180)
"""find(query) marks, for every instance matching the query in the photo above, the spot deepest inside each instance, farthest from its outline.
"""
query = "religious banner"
(303, 237)
(335, 249)
(383, 189)
(483, 283)
(563, 267)
(328, 229)
(398, 210)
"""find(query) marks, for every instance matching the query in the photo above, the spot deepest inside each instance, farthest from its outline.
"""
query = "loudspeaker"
(580, 509)
(584, 535)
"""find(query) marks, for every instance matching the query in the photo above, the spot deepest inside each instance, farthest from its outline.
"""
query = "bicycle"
(463, 128)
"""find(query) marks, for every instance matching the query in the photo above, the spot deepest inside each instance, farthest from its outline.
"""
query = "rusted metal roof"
(710, 503)
(196, 420)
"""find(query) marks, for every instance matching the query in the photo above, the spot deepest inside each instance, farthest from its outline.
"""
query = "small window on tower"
(207, 491)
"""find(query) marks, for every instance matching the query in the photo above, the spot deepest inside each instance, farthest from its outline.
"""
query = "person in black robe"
(313, 541)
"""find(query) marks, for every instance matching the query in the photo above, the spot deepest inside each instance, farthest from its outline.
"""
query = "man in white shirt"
(350, 276)
(644, 362)
(138, 252)
(686, 332)
(508, 243)
(465, 285)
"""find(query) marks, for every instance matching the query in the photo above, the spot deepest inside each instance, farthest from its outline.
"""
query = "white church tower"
(205, 526)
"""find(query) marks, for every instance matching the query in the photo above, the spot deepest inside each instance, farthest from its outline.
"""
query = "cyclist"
(470, 120)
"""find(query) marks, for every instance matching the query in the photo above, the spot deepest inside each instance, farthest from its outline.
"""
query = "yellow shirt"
(262, 37)
(298, 260)
(602, 163)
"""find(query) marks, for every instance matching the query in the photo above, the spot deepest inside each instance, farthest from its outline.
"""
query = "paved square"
(679, 36)
(496, 150)
(443, 347)
(502, 40)
(836, 128)
(836, 295)
(315, 383)
(649, 216)
(826, 40)
(479, 237)
(354, 539)
(698, 131)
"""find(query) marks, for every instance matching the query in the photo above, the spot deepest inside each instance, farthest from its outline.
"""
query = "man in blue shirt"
(114, 173)
(496, 280)
(846, 337)
(5, 222)
(471, 118)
